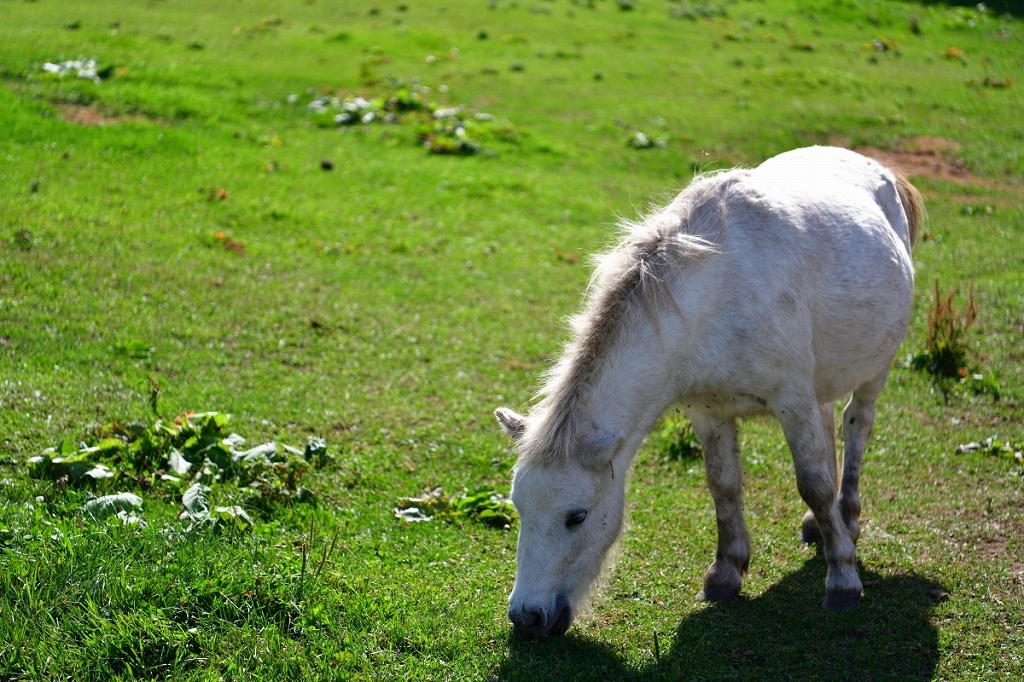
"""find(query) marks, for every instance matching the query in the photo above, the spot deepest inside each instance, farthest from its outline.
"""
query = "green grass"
(388, 305)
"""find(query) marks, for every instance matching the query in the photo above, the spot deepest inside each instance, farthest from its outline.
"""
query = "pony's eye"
(575, 519)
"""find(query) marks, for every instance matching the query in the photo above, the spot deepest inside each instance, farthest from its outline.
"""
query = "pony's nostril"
(564, 618)
(526, 618)
(529, 623)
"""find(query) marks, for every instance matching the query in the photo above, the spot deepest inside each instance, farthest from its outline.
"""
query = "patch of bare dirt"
(991, 548)
(932, 157)
(92, 116)
(925, 156)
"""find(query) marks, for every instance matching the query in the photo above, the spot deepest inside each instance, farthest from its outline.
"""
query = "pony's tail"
(913, 205)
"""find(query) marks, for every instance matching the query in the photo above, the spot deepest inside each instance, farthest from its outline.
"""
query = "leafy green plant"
(101, 507)
(640, 140)
(22, 238)
(676, 440)
(138, 350)
(122, 505)
(449, 145)
(192, 447)
(200, 512)
(985, 384)
(696, 10)
(994, 446)
(72, 464)
(485, 505)
(451, 130)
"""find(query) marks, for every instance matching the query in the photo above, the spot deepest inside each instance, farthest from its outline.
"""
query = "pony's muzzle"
(530, 622)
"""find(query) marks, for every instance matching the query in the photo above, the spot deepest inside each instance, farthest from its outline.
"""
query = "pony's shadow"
(783, 634)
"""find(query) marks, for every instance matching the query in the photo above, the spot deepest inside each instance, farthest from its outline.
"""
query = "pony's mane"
(630, 279)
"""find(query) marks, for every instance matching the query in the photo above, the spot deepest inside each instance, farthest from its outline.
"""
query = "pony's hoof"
(841, 601)
(809, 531)
(810, 535)
(718, 594)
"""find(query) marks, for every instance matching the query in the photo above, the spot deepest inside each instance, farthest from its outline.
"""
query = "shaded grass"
(767, 637)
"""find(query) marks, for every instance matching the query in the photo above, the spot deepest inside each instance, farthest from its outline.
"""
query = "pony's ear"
(512, 423)
(600, 447)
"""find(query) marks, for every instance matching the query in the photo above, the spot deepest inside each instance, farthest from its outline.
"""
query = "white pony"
(773, 290)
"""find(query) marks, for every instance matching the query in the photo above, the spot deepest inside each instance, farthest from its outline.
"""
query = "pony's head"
(571, 513)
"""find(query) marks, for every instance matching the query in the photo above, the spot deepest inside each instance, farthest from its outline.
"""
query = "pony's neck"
(635, 385)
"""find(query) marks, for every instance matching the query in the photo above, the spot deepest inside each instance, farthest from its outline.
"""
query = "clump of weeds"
(947, 355)
(946, 352)
(194, 450)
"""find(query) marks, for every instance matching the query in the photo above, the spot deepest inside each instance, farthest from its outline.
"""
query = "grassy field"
(189, 234)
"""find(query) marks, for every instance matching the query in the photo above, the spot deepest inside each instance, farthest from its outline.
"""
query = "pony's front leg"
(723, 579)
(815, 468)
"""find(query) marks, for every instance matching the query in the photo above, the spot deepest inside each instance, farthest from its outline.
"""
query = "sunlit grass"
(175, 226)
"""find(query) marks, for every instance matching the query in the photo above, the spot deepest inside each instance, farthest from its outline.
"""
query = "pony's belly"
(724, 404)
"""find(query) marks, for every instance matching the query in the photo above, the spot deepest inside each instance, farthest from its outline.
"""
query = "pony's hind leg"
(809, 532)
(858, 420)
(722, 581)
(816, 480)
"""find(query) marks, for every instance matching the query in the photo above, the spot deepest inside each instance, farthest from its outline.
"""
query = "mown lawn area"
(360, 226)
